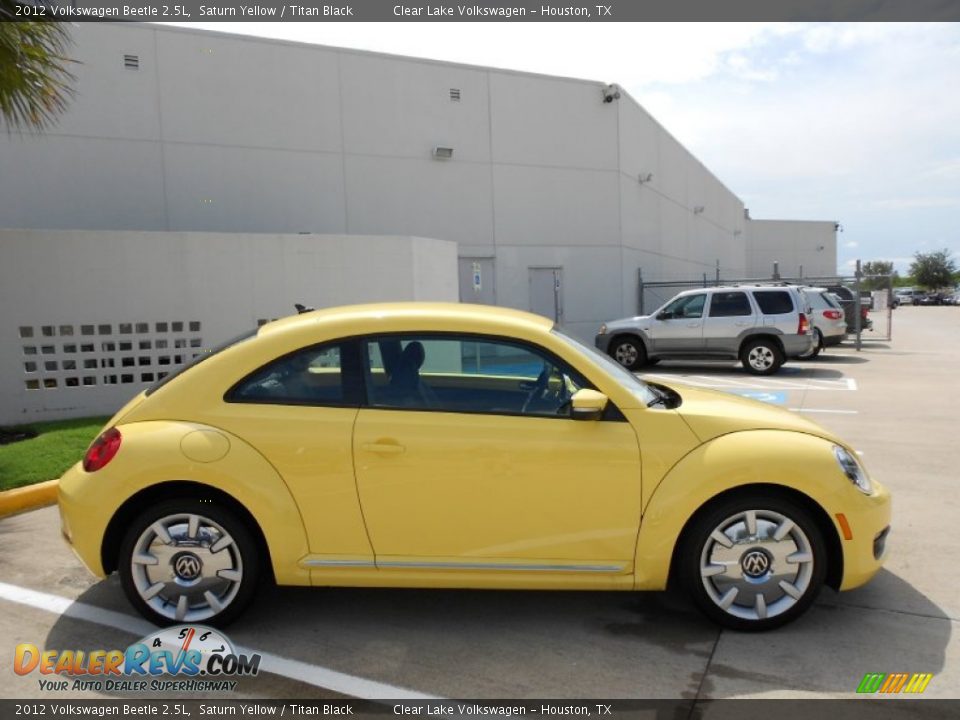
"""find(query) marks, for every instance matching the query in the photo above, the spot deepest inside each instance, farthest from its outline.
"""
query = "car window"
(312, 376)
(467, 374)
(688, 306)
(773, 302)
(729, 304)
(831, 300)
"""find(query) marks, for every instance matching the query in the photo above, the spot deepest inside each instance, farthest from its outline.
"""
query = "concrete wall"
(800, 247)
(221, 133)
(91, 318)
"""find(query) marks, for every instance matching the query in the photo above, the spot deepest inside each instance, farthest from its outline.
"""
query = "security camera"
(611, 93)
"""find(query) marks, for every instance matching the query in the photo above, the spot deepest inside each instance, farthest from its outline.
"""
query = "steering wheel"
(541, 389)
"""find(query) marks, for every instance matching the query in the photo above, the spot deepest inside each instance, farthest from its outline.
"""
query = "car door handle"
(744, 323)
(383, 448)
(693, 324)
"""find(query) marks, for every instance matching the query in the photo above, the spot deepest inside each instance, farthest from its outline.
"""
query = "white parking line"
(824, 410)
(723, 383)
(308, 673)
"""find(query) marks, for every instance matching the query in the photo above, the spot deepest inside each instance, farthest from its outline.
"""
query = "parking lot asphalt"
(896, 402)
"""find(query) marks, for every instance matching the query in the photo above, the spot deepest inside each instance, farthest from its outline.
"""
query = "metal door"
(546, 292)
(476, 280)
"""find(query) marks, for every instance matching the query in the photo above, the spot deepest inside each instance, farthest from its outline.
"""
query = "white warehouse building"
(551, 193)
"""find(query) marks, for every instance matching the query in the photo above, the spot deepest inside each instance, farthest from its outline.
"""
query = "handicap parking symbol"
(775, 398)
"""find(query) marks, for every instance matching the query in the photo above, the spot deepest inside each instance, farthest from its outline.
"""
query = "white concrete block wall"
(80, 294)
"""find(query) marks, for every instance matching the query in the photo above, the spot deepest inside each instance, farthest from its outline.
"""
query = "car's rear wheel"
(761, 357)
(753, 562)
(629, 352)
(817, 346)
(186, 561)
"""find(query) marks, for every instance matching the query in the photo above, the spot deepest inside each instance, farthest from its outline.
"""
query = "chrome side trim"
(498, 566)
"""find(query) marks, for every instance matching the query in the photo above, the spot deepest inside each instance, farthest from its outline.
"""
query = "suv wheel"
(629, 352)
(817, 346)
(754, 562)
(761, 357)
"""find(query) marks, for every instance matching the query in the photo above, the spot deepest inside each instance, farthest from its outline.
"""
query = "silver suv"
(762, 326)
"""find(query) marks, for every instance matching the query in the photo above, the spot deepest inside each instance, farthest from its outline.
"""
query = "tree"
(934, 269)
(878, 267)
(35, 83)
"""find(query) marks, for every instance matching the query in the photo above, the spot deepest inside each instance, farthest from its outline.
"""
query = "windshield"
(627, 380)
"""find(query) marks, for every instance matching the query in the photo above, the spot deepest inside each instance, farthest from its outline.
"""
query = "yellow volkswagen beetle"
(461, 446)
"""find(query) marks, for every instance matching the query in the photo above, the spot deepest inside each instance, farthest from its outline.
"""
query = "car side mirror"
(587, 404)
(665, 315)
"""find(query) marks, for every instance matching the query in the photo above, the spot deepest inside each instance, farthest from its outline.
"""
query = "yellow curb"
(28, 498)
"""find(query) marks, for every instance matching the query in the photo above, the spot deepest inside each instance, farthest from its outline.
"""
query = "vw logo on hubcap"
(187, 566)
(755, 563)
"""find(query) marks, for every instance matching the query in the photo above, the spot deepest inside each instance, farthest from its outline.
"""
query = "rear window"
(203, 355)
(774, 302)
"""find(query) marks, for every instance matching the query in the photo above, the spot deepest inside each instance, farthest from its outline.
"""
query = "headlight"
(603, 329)
(852, 469)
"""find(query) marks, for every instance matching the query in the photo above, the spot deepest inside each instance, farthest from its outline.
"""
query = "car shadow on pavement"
(469, 643)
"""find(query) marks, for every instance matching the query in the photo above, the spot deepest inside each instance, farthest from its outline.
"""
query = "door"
(678, 328)
(729, 314)
(477, 281)
(546, 292)
(467, 459)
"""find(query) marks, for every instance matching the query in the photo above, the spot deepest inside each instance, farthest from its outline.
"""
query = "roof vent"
(131, 62)
(442, 153)
(454, 94)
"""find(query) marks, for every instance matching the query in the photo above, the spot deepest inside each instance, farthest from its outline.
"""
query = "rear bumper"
(832, 340)
(796, 345)
(82, 523)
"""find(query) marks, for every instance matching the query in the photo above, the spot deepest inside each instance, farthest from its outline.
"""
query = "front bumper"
(603, 342)
(865, 553)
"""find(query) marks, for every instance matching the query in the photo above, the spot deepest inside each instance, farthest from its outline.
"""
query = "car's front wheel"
(754, 562)
(761, 357)
(187, 561)
(629, 352)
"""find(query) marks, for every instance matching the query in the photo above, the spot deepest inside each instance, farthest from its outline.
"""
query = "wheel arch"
(140, 501)
(753, 337)
(828, 531)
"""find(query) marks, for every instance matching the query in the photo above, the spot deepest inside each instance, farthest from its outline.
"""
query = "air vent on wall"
(131, 62)
(442, 153)
(455, 94)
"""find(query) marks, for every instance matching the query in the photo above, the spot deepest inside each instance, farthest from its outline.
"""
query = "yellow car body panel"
(367, 496)
(151, 455)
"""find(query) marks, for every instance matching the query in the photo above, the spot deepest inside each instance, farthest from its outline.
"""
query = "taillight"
(832, 314)
(864, 311)
(102, 450)
(804, 325)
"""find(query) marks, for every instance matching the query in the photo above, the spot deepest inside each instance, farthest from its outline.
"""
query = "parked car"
(906, 296)
(828, 318)
(762, 326)
(848, 302)
(953, 299)
(462, 446)
(930, 298)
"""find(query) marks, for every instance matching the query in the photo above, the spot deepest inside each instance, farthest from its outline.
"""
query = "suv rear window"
(729, 304)
(773, 302)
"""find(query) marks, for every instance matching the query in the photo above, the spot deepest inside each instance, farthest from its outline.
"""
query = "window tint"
(312, 376)
(729, 304)
(773, 302)
(466, 375)
(688, 306)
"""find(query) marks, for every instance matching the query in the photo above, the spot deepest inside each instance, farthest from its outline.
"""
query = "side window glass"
(729, 304)
(308, 377)
(466, 375)
(689, 306)
(774, 302)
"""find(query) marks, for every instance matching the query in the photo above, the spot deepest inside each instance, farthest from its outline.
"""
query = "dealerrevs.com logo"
(184, 658)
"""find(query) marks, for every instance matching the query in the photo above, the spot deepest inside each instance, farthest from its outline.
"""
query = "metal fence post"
(856, 306)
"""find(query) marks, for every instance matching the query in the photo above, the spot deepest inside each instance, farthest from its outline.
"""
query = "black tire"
(768, 350)
(629, 352)
(215, 522)
(817, 347)
(698, 544)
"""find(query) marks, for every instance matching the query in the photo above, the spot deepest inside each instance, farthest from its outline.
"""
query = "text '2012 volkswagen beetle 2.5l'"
(461, 446)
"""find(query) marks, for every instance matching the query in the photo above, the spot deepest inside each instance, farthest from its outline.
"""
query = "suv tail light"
(102, 450)
(864, 311)
(832, 314)
(804, 325)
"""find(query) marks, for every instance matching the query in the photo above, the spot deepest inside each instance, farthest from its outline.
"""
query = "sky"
(857, 123)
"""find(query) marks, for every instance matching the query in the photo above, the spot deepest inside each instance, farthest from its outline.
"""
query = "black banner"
(491, 10)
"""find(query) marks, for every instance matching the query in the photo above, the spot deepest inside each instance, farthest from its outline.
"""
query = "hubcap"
(756, 564)
(760, 357)
(626, 354)
(186, 567)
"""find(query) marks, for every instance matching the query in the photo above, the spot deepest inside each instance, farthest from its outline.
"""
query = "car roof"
(399, 315)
